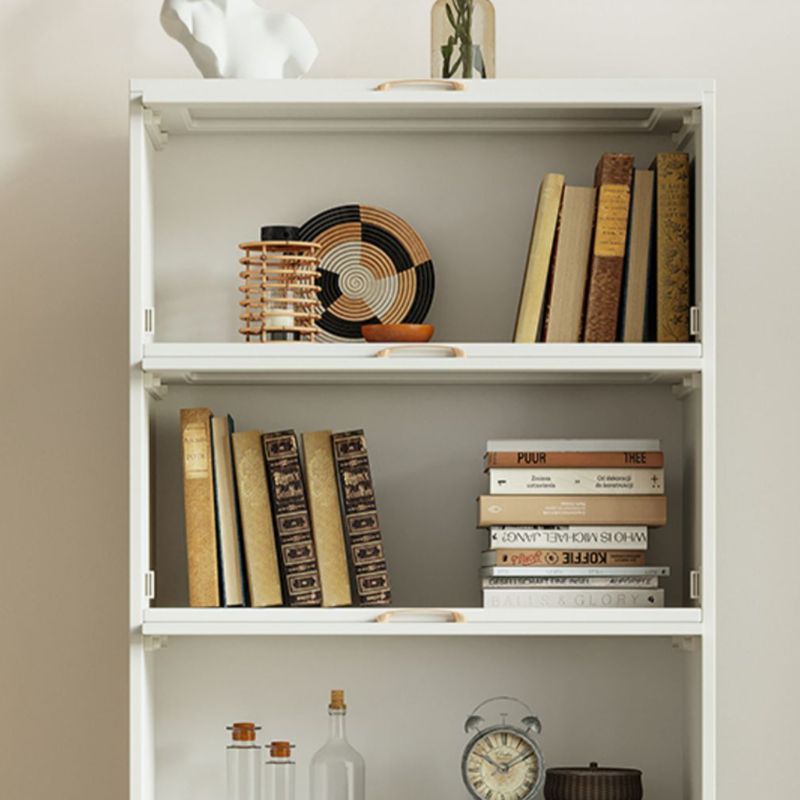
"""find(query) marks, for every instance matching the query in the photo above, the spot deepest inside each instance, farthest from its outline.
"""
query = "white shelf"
(477, 622)
(239, 363)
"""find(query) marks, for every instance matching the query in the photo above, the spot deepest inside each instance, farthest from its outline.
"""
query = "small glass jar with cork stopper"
(243, 757)
(278, 775)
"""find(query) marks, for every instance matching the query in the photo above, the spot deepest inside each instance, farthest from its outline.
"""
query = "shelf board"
(422, 622)
(242, 363)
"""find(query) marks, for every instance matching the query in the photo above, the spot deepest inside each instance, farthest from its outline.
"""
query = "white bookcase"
(211, 161)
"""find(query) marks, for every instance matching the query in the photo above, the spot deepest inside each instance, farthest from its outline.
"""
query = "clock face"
(502, 763)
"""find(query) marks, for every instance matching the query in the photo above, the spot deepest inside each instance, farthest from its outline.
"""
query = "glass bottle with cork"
(243, 763)
(337, 769)
(278, 779)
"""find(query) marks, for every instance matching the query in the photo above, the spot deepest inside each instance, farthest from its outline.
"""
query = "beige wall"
(63, 437)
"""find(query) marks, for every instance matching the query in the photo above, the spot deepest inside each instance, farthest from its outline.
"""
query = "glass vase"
(462, 39)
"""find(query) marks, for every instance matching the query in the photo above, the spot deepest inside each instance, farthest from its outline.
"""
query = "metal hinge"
(149, 320)
(694, 584)
(690, 125)
(152, 124)
(149, 585)
(154, 387)
(694, 321)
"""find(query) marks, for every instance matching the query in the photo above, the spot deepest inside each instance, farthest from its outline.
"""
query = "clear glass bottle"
(462, 39)
(243, 763)
(277, 777)
(337, 769)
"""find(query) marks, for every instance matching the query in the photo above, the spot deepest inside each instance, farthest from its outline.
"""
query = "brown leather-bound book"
(613, 178)
(258, 535)
(292, 520)
(562, 558)
(198, 501)
(360, 511)
(326, 518)
(573, 509)
(672, 256)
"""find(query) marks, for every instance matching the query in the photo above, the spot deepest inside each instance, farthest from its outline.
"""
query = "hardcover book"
(572, 446)
(361, 524)
(672, 254)
(198, 502)
(573, 598)
(613, 177)
(258, 534)
(615, 458)
(563, 558)
(604, 537)
(326, 518)
(573, 572)
(576, 481)
(530, 311)
(532, 509)
(575, 582)
(228, 541)
(298, 556)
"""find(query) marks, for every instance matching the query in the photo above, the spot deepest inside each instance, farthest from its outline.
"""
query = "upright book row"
(267, 525)
(611, 262)
(569, 522)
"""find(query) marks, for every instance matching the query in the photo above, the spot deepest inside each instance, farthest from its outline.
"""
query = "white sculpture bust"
(239, 39)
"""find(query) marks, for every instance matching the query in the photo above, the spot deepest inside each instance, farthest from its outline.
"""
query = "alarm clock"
(502, 761)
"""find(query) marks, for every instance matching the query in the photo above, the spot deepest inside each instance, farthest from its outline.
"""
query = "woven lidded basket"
(593, 783)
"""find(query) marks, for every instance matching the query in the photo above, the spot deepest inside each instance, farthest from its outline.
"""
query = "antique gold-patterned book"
(296, 550)
(198, 502)
(326, 518)
(360, 512)
(258, 535)
(672, 258)
(613, 179)
(530, 312)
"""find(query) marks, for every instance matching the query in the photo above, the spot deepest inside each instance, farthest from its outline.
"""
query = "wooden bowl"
(401, 332)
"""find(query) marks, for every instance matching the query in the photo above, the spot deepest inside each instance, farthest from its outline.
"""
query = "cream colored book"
(530, 312)
(637, 261)
(326, 518)
(570, 265)
(258, 534)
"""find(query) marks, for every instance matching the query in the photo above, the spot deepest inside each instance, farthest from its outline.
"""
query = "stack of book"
(611, 262)
(569, 521)
(271, 523)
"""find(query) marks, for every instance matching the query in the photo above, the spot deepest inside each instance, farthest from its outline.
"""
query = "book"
(532, 509)
(605, 537)
(527, 458)
(562, 480)
(672, 255)
(637, 259)
(572, 446)
(573, 572)
(573, 242)
(228, 539)
(258, 535)
(530, 311)
(573, 598)
(575, 582)
(562, 558)
(298, 556)
(326, 518)
(613, 178)
(361, 523)
(198, 504)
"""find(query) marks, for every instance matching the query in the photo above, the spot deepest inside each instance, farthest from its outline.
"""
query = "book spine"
(571, 572)
(573, 598)
(576, 582)
(292, 520)
(564, 558)
(576, 481)
(531, 509)
(326, 518)
(621, 537)
(228, 533)
(525, 458)
(198, 500)
(672, 247)
(613, 178)
(361, 523)
(531, 301)
(258, 534)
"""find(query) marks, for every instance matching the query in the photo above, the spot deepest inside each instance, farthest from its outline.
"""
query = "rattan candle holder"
(279, 284)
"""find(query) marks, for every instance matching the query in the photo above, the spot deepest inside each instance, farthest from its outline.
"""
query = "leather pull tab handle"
(448, 614)
(450, 86)
(454, 352)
